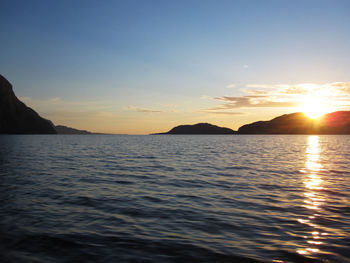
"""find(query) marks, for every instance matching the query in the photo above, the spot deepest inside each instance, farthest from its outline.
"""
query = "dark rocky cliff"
(16, 117)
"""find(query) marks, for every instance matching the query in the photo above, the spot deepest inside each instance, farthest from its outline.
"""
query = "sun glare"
(315, 108)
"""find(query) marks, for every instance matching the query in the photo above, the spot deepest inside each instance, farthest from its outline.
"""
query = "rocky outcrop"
(16, 117)
(200, 128)
(61, 129)
(298, 123)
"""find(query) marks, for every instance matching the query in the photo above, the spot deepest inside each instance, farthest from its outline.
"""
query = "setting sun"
(315, 107)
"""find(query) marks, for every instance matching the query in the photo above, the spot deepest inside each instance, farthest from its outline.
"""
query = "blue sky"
(159, 63)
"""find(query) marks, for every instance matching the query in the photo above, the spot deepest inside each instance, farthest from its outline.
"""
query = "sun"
(315, 107)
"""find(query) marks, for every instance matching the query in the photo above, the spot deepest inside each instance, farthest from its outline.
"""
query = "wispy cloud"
(259, 86)
(283, 96)
(144, 110)
(342, 88)
(149, 110)
(231, 86)
(251, 102)
(256, 92)
(214, 111)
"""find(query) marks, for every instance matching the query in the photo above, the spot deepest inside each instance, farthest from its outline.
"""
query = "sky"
(140, 67)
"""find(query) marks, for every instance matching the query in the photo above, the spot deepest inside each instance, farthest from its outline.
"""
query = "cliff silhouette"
(294, 123)
(298, 123)
(16, 117)
(199, 128)
(61, 129)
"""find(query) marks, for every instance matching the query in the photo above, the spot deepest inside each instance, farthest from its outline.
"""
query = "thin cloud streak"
(221, 112)
(283, 96)
(143, 110)
(342, 88)
(148, 110)
(231, 86)
(256, 92)
(251, 102)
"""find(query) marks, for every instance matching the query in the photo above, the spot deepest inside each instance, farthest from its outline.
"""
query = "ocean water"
(106, 198)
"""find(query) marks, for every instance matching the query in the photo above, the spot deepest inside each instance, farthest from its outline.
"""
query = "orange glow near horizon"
(315, 107)
(318, 102)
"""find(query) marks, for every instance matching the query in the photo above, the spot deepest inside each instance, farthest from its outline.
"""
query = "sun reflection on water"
(313, 200)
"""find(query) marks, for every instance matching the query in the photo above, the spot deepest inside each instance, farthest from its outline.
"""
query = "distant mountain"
(199, 128)
(16, 117)
(68, 130)
(298, 123)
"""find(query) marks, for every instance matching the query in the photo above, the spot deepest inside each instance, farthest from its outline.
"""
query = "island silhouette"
(199, 128)
(294, 123)
(17, 118)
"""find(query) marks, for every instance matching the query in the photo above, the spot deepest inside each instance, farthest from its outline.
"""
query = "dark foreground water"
(174, 198)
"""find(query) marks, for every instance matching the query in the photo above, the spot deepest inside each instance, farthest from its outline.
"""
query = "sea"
(174, 198)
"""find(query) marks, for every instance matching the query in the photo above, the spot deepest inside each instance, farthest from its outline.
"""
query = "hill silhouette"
(298, 123)
(61, 129)
(16, 117)
(199, 128)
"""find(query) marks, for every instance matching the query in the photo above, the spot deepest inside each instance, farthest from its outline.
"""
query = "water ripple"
(174, 198)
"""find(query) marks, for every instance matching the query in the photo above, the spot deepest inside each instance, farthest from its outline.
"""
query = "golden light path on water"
(313, 200)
